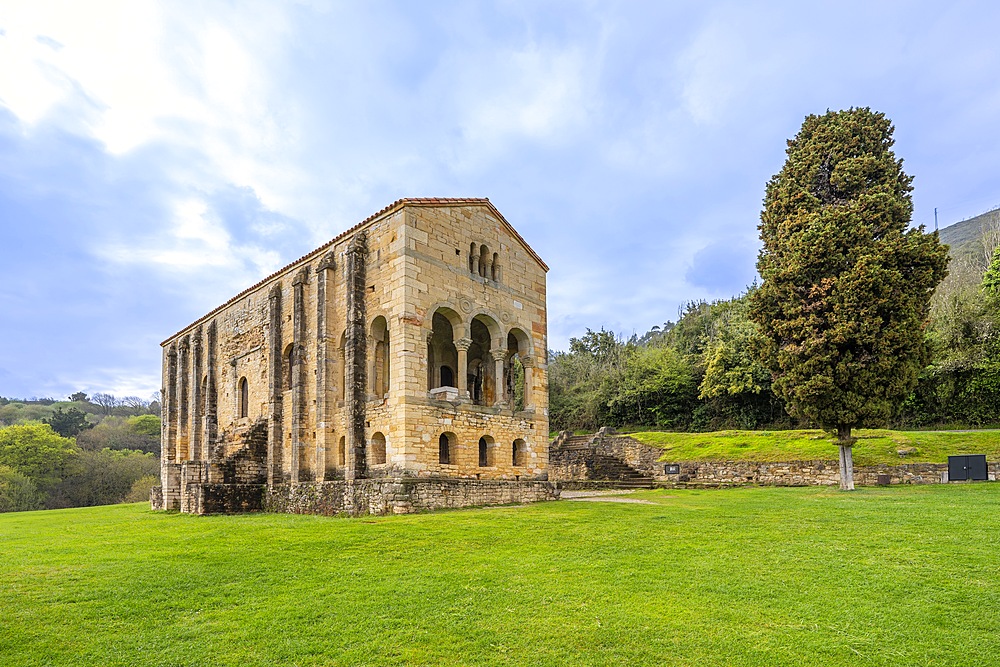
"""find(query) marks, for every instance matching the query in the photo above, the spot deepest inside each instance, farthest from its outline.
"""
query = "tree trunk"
(846, 443)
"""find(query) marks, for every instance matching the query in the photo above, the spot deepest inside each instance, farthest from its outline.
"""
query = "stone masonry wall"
(333, 354)
(401, 495)
(576, 464)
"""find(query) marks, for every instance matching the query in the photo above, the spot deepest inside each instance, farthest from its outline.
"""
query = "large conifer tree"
(846, 284)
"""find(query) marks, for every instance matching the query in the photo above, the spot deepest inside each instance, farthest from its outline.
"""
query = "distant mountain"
(966, 237)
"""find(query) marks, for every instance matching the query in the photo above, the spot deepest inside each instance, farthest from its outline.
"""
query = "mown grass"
(775, 576)
(873, 446)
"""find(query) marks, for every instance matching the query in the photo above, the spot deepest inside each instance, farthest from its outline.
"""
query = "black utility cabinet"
(972, 466)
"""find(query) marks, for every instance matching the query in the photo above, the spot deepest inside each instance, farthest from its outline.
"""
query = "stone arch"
(517, 380)
(287, 362)
(484, 261)
(447, 446)
(485, 337)
(521, 339)
(379, 375)
(377, 450)
(519, 453)
(445, 325)
(342, 362)
(243, 408)
(487, 451)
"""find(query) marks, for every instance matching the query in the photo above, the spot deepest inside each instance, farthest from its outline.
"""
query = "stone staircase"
(601, 467)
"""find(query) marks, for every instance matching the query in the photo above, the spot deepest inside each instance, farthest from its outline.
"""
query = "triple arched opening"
(483, 363)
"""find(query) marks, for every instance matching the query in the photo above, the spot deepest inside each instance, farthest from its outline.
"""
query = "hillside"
(873, 446)
(965, 237)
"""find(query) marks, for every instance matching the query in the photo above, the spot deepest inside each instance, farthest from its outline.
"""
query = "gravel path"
(616, 496)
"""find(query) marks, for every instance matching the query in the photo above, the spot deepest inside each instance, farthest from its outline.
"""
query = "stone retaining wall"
(571, 466)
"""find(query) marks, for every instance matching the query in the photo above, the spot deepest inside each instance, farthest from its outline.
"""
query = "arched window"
(447, 377)
(473, 259)
(495, 268)
(485, 451)
(342, 358)
(380, 357)
(287, 359)
(341, 452)
(484, 261)
(244, 404)
(519, 453)
(515, 376)
(441, 350)
(378, 449)
(446, 447)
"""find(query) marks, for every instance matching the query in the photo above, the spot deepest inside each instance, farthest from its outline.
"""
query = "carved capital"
(498, 354)
(328, 261)
(527, 361)
(302, 277)
(463, 344)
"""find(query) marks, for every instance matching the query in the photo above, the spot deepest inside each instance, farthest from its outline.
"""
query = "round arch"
(449, 312)
(524, 345)
(491, 321)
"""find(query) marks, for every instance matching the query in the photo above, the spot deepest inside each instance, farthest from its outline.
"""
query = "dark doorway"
(970, 467)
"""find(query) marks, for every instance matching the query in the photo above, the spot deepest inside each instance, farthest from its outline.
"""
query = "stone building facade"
(398, 367)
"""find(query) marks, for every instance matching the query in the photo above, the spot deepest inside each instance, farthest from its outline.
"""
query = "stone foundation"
(399, 495)
(575, 465)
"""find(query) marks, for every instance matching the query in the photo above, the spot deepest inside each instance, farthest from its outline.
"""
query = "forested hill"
(966, 237)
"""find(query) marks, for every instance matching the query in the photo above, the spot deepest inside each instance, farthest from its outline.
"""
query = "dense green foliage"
(700, 373)
(846, 285)
(763, 576)
(955, 360)
(40, 468)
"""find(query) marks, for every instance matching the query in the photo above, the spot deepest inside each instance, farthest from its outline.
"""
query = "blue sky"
(158, 157)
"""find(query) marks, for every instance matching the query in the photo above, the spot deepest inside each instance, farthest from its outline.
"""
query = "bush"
(141, 488)
(103, 478)
(17, 492)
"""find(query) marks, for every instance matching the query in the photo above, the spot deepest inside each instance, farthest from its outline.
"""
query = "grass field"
(873, 446)
(756, 576)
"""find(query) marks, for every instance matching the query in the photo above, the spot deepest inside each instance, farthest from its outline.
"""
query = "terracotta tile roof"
(391, 208)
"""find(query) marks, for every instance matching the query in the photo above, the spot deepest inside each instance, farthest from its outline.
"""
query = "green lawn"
(755, 576)
(873, 446)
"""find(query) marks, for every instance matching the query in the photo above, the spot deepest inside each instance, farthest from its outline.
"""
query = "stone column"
(499, 356)
(463, 345)
(356, 357)
(211, 398)
(528, 363)
(324, 363)
(275, 474)
(298, 359)
(196, 398)
(475, 264)
(184, 396)
(168, 408)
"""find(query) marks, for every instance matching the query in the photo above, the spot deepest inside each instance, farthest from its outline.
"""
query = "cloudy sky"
(158, 157)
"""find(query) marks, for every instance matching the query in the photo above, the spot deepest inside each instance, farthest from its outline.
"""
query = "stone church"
(399, 367)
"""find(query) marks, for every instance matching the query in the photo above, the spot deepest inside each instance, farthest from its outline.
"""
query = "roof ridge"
(399, 203)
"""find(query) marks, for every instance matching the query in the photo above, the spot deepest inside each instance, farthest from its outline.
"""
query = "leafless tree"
(107, 402)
